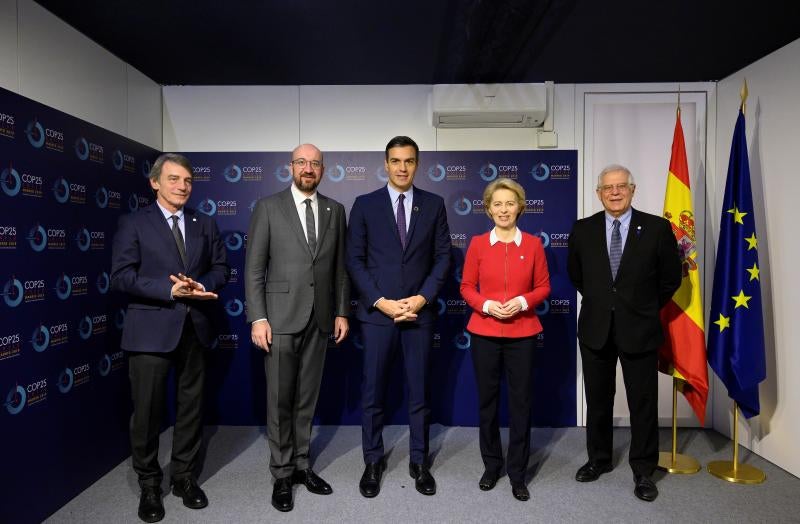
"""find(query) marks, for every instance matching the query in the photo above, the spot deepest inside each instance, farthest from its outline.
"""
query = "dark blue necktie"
(615, 249)
(401, 219)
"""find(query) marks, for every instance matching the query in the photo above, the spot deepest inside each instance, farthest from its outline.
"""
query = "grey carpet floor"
(236, 478)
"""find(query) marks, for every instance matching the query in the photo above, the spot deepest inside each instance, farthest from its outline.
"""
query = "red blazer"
(501, 272)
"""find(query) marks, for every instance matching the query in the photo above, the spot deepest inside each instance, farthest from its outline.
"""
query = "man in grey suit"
(297, 292)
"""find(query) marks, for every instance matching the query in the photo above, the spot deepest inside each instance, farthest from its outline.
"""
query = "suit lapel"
(324, 218)
(192, 229)
(631, 240)
(163, 230)
(385, 198)
(416, 211)
(600, 236)
(290, 212)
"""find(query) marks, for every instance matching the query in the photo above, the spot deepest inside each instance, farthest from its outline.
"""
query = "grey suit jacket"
(283, 279)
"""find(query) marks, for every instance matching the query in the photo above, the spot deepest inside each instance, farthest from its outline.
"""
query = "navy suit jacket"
(143, 256)
(649, 274)
(378, 265)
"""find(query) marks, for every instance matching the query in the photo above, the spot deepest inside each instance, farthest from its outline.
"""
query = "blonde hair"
(504, 183)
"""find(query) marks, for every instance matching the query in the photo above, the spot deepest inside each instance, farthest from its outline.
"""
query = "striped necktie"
(615, 249)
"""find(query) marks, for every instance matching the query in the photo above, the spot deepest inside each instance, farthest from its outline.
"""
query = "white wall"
(338, 118)
(772, 116)
(44, 59)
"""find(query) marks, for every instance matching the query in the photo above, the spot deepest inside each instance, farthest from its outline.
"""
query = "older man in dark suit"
(398, 255)
(626, 266)
(297, 293)
(169, 260)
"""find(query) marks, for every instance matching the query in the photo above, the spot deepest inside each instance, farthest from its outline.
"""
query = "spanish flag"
(683, 354)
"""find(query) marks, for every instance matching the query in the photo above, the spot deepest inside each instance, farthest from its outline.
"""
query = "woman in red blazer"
(504, 278)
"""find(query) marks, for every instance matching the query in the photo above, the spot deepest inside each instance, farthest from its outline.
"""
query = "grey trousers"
(294, 367)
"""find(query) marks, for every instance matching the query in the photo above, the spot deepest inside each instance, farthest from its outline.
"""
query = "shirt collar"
(299, 197)
(624, 218)
(393, 193)
(167, 213)
(494, 240)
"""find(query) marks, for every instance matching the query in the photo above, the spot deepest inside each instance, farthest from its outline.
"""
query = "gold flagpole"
(732, 470)
(674, 462)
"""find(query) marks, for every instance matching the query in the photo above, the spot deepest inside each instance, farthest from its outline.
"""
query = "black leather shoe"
(370, 484)
(282, 494)
(151, 509)
(423, 480)
(488, 480)
(311, 481)
(520, 491)
(193, 497)
(591, 471)
(645, 488)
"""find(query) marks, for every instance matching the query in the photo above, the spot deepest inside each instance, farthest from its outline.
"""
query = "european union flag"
(736, 344)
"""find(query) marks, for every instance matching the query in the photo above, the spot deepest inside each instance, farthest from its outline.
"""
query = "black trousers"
(640, 373)
(148, 374)
(490, 356)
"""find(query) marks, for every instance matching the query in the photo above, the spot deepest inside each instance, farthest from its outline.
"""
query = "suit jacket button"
(311, 284)
(614, 289)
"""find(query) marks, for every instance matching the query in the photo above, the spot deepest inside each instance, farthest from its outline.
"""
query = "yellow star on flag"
(723, 322)
(752, 242)
(741, 299)
(753, 272)
(737, 215)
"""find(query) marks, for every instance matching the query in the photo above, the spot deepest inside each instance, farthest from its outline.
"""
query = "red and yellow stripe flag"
(683, 354)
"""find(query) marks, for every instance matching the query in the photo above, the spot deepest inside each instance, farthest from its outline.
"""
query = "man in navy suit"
(169, 261)
(398, 255)
(626, 266)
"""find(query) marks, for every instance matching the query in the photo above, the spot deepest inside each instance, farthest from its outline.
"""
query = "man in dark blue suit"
(398, 255)
(170, 261)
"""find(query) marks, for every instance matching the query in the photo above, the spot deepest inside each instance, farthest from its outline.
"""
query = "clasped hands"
(402, 310)
(185, 287)
(505, 310)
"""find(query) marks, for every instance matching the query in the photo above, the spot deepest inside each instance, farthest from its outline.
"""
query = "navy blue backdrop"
(63, 379)
(227, 185)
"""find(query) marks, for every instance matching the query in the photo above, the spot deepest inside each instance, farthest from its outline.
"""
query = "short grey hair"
(175, 158)
(610, 169)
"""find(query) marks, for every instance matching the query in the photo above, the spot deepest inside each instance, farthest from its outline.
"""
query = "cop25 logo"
(207, 207)
(335, 173)
(37, 238)
(81, 148)
(10, 181)
(233, 241)
(13, 292)
(283, 173)
(103, 283)
(232, 173)
(463, 340)
(540, 172)
(543, 308)
(15, 400)
(35, 133)
(488, 172)
(544, 237)
(85, 328)
(101, 197)
(437, 173)
(234, 307)
(83, 239)
(462, 206)
(63, 287)
(118, 160)
(65, 380)
(40, 338)
(104, 366)
(61, 190)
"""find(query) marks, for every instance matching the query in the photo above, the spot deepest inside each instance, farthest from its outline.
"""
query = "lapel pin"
(327, 209)
(416, 208)
(194, 219)
(638, 230)
(522, 257)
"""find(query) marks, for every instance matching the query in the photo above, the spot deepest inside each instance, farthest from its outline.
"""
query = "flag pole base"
(683, 464)
(738, 473)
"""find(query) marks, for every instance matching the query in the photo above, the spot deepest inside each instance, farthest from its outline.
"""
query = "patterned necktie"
(615, 249)
(401, 219)
(176, 232)
(311, 229)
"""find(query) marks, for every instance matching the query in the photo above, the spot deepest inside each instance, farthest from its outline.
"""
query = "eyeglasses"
(611, 187)
(301, 163)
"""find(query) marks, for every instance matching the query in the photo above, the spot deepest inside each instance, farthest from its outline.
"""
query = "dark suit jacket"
(377, 263)
(283, 279)
(648, 275)
(143, 256)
